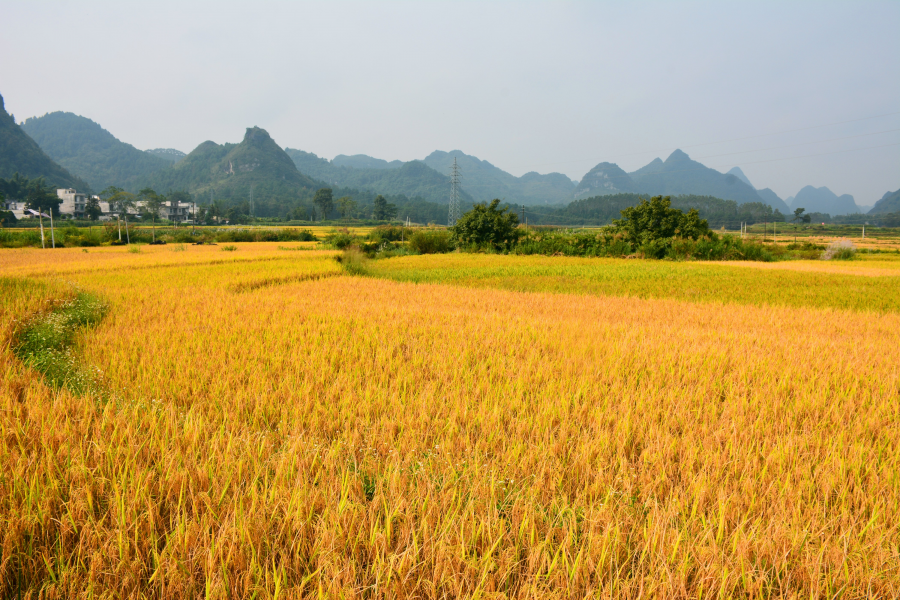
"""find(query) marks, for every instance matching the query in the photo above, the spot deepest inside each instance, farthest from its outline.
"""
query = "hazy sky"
(528, 86)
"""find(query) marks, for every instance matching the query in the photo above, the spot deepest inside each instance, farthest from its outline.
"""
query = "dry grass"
(360, 438)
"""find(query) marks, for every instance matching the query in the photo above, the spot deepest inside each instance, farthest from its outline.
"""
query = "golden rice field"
(454, 426)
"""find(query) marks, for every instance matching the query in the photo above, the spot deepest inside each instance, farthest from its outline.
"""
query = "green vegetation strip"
(692, 281)
(46, 343)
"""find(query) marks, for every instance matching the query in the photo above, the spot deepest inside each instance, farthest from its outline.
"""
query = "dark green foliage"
(340, 240)
(92, 208)
(389, 233)
(7, 218)
(91, 152)
(487, 226)
(609, 243)
(652, 223)
(21, 154)
(324, 201)
(382, 209)
(431, 241)
(42, 198)
(799, 216)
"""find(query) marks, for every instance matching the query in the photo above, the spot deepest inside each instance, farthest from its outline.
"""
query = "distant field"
(471, 426)
(869, 284)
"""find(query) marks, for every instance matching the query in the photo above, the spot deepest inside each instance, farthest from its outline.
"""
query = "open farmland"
(453, 426)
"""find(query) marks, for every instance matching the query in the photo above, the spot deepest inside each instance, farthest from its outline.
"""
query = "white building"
(16, 207)
(72, 202)
(75, 204)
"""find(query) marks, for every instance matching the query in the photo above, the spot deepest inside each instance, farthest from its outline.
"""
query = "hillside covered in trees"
(21, 154)
(602, 210)
(91, 152)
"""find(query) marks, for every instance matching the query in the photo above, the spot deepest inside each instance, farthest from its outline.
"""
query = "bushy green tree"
(41, 197)
(487, 225)
(799, 216)
(92, 208)
(653, 222)
(324, 200)
(120, 201)
(382, 209)
(346, 206)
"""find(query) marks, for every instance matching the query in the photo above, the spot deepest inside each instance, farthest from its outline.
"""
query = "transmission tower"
(454, 215)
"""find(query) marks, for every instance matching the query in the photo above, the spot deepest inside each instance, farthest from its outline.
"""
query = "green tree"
(799, 216)
(92, 208)
(382, 209)
(120, 201)
(652, 224)
(40, 197)
(324, 200)
(346, 206)
(487, 225)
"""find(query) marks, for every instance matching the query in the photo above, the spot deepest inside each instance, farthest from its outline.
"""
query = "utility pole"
(41, 219)
(52, 236)
(251, 203)
(454, 211)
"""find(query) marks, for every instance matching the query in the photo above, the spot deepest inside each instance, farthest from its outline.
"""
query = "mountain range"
(677, 175)
(256, 165)
(19, 153)
(413, 179)
(84, 147)
(81, 148)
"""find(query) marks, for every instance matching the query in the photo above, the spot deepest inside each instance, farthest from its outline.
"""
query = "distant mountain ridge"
(91, 152)
(231, 171)
(413, 179)
(677, 175)
(169, 154)
(362, 161)
(889, 203)
(485, 182)
(21, 154)
(823, 200)
(481, 181)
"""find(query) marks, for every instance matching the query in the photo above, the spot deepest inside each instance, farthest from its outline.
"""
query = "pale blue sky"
(543, 86)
